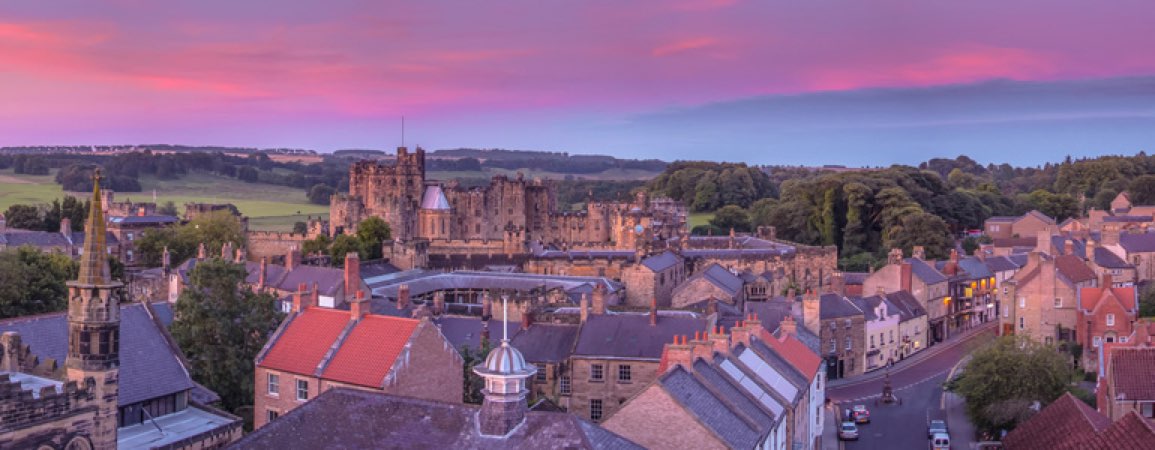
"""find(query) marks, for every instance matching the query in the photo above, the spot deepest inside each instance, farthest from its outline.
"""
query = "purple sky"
(587, 77)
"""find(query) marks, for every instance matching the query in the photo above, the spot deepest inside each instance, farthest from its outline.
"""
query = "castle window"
(596, 409)
(274, 384)
(302, 390)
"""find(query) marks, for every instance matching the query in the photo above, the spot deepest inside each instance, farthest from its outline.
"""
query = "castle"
(508, 216)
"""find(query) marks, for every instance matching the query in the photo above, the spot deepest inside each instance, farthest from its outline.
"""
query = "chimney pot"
(653, 311)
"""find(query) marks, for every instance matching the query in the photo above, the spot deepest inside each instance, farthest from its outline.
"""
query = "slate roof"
(35, 238)
(906, 305)
(434, 198)
(1108, 259)
(383, 421)
(1069, 424)
(329, 280)
(660, 262)
(1019, 259)
(711, 376)
(866, 306)
(1137, 242)
(854, 278)
(719, 276)
(1131, 373)
(714, 414)
(1001, 219)
(1000, 264)
(1074, 268)
(1127, 219)
(78, 238)
(149, 367)
(834, 306)
(1015, 242)
(310, 343)
(421, 282)
(925, 272)
(631, 335)
(975, 268)
(466, 331)
(143, 220)
(1045, 218)
(546, 342)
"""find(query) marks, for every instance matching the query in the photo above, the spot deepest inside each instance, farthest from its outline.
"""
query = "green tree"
(319, 244)
(731, 216)
(25, 217)
(761, 211)
(473, 383)
(927, 230)
(1142, 190)
(221, 327)
(212, 229)
(345, 244)
(300, 228)
(1003, 380)
(33, 282)
(372, 232)
(320, 194)
(1147, 303)
(1102, 200)
(168, 209)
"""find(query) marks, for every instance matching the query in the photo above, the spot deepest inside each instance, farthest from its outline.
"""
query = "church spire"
(94, 261)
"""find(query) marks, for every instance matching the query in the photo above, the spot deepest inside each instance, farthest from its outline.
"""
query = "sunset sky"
(771, 81)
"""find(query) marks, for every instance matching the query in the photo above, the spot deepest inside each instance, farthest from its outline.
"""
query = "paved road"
(919, 386)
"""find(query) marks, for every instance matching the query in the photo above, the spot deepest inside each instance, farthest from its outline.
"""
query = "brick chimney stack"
(359, 307)
(1090, 250)
(263, 274)
(293, 258)
(66, 227)
(676, 354)
(486, 307)
(740, 333)
(352, 273)
(403, 296)
(526, 316)
(837, 283)
(918, 252)
(720, 340)
(1142, 334)
(1068, 247)
(811, 313)
(905, 277)
(316, 294)
(653, 311)
(1107, 281)
(584, 307)
(788, 327)
(701, 347)
(894, 256)
(599, 299)
(301, 298)
(1110, 235)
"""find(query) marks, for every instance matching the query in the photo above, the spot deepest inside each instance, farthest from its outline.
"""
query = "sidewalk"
(962, 432)
(830, 429)
(914, 359)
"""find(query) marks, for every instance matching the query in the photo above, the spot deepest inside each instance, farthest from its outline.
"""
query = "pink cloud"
(684, 45)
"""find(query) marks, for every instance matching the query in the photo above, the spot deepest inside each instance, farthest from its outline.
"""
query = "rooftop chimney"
(837, 283)
(486, 307)
(66, 227)
(293, 258)
(599, 299)
(701, 347)
(584, 307)
(352, 272)
(316, 294)
(1107, 281)
(359, 307)
(263, 274)
(894, 256)
(676, 354)
(918, 252)
(1110, 235)
(301, 298)
(1142, 334)
(720, 340)
(403, 296)
(788, 327)
(653, 311)
(810, 313)
(906, 276)
(526, 316)
(1043, 241)
(1068, 247)
(438, 303)
(1090, 249)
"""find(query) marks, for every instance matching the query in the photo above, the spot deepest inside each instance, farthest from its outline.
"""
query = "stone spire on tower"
(94, 325)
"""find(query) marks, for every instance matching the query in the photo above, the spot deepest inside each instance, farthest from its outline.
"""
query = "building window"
(1058, 302)
(849, 344)
(1147, 410)
(1096, 341)
(274, 384)
(596, 409)
(564, 385)
(271, 415)
(847, 324)
(302, 390)
(624, 375)
(128, 255)
(1110, 320)
(833, 346)
(541, 373)
(129, 236)
(1022, 302)
(872, 342)
(596, 372)
(1022, 324)
(891, 336)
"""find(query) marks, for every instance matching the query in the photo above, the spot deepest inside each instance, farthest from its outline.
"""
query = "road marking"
(950, 376)
(926, 354)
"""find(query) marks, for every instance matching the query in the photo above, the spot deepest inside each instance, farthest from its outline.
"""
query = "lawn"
(700, 218)
(265, 204)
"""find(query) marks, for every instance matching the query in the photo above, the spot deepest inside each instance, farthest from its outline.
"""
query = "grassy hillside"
(269, 206)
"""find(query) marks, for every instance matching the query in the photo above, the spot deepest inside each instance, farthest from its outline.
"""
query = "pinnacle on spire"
(94, 268)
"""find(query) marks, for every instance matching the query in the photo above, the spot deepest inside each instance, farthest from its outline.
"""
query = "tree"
(248, 174)
(213, 229)
(300, 228)
(24, 217)
(1004, 379)
(927, 230)
(473, 382)
(1142, 190)
(319, 244)
(731, 216)
(1147, 303)
(33, 282)
(345, 244)
(168, 209)
(321, 193)
(761, 210)
(221, 327)
(372, 232)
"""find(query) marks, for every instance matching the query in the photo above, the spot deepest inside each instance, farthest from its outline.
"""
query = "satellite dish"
(638, 229)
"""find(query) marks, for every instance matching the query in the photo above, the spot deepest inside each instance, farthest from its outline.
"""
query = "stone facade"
(654, 409)
(1043, 302)
(608, 390)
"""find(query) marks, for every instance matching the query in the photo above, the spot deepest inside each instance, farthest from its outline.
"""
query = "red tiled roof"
(1074, 268)
(1132, 371)
(367, 354)
(1089, 297)
(1067, 423)
(1131, 432)
(795, 352)
(305, 341)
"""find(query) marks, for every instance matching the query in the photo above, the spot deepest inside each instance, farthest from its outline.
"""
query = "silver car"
(848, 431)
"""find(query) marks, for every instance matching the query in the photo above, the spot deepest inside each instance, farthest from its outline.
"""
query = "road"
(919, 387)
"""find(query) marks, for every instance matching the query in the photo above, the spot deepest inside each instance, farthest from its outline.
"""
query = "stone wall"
(655, 420)
(612, 392)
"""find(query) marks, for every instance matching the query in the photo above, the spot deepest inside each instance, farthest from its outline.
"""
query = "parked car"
(861, 414)
(936, 426)
(848, 431)
(940, 441)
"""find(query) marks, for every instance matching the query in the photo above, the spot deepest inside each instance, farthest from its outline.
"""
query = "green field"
(702, 218)
(269, 207)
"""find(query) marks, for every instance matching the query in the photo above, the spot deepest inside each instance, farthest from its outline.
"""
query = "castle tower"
(505, 372)
(94, 325)
(435, 220)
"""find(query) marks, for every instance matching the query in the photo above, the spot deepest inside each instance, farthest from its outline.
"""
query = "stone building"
(112, 376)
(318, 349)
(656, 277)
(881, 319)
(712, 283)
(510, 212)
(1044, 296)
(923, 281)
(841, 329)
(1027, 225)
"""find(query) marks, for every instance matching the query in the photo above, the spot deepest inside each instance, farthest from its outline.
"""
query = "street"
(919, 388)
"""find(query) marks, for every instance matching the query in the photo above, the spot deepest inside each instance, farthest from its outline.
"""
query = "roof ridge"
(750, 422)
(328, 357)
(701, 421)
